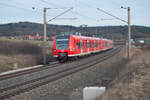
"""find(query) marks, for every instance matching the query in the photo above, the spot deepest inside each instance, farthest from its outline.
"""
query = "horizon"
(84, 12)
(68, 25)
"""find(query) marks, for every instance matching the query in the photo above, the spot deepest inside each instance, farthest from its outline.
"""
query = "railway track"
(22, 72)
(31, 84)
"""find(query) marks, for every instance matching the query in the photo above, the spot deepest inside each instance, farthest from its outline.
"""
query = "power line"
(88, 5)
(84, 16)
(105, 19)
(25, 9)
(60, 14)
(49, 3)
(66, 18)
(74, 12)
(111, 15)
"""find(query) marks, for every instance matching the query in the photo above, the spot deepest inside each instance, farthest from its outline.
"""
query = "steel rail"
(23, 72)
(52, 77)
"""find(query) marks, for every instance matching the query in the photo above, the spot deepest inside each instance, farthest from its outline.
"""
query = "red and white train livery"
(65, 46)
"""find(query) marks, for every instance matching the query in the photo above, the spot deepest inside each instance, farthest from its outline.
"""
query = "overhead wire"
(33, 9)
(74, 12)
(44, 1)
(49, 3)
(82, 15)
(13, 6)
(111, 15)
(86, 4)
(60, 14)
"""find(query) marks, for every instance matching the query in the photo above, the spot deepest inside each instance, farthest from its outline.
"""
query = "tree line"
(29, 28)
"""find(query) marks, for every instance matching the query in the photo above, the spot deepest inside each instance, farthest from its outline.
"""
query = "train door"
(88, 46)
(94, 45)
(81, 43)
(101, 44)
(78, 46)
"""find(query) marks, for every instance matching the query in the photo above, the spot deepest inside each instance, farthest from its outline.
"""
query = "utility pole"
(45, 38)
(129, 34)
(129, 27)
(45, 34)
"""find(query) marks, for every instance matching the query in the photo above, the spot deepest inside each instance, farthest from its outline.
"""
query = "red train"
(73, 46)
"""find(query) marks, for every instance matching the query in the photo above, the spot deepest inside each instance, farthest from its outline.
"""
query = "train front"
(60, 47)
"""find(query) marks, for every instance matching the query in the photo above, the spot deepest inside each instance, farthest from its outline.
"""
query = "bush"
(13, 48)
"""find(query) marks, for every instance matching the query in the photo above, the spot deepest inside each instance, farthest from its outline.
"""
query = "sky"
(84, 12)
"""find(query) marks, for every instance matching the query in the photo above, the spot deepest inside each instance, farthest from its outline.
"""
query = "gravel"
(70, 87)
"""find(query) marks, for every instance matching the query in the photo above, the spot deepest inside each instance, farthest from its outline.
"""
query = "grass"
(13, 48)
(17, 61)
(132, 85)
(16, 54)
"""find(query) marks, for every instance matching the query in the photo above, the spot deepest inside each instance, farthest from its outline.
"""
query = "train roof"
(86, 37)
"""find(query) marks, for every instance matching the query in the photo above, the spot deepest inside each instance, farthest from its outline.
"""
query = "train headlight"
(72, 49)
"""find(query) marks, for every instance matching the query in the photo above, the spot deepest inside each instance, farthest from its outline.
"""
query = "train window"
(93, 44)
(62, 42)
(82, 44)
(99, 43)
(90, 44)
(103, 44)
(78, 45)
(74, 41)
(87, 44)
(96, 44)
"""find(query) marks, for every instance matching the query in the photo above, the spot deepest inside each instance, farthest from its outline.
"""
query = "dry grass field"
(16, 54)
(133, 82)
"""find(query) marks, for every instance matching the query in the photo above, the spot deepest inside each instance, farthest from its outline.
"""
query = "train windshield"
(62, 42)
